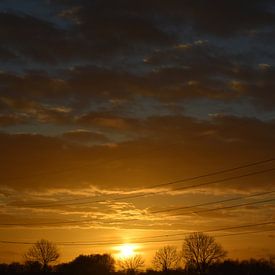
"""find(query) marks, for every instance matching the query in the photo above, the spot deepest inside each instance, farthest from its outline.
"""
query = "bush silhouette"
(89, 264)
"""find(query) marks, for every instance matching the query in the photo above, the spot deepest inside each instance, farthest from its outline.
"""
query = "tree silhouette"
(200, 251)
(131, 265)
(44, 252)
(166, 258)
(32, 267)
(89, 264)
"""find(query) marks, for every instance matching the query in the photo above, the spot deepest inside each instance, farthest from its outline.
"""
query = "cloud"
(100, 29)
(42, 40)
(22, 111)
(8, 120)
(85, 137)
(107, 121)
(178, 76)
(223, 17)
(94, 102)
(149, 156)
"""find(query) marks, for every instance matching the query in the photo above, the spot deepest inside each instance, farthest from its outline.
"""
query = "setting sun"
(126, 250)
(137, 137)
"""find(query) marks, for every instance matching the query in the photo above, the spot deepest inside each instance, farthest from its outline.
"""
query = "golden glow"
(126, 250)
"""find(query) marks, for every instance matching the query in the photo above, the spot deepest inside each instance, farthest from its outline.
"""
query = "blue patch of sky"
(138, 107)
(96, 105)
(236, 44)
(52, 130)
(144, 107)
(19, 67)
(23, 65)
(250, 48)
(39, 128)
(248, 45)
(204, 108)
(119, 62)
(37, 8)
(132, 62)
(119, 137)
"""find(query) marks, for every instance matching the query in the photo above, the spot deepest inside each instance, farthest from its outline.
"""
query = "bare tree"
(131, 265)
(44, 252)
(166, 258)
(201, 250)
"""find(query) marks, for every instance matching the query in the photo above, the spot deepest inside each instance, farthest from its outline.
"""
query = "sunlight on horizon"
(126, 250)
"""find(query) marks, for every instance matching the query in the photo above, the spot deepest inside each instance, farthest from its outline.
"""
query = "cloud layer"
(104, 100)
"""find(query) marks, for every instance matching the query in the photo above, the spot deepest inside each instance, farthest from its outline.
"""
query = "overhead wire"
(152, 193)
(151, 238)
(212, 202)
(225, 207)
(121, 220)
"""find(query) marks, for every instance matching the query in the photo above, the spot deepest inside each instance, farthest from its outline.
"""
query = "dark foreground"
(76, 267)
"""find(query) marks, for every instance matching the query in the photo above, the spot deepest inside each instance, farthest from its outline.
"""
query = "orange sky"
(115, 214)
(116, 116)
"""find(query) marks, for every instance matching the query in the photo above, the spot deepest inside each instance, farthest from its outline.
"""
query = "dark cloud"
(30, 37)
(75, 95)
(32, 85)
(97, 91)
(158, 149)
(222, 17)
(135, 49)
(101, 29)
(26, 111)
(256, 84)
(8, 120)
(7, 55)
(107, 120)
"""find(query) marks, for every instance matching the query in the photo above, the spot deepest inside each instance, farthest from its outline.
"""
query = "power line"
(196, 185)
(130, 220)
(214, 202)
(226, 207)
(224, 235)
(152, 193)
(113, 242)
(189, 178)
(226, 179)
(244, 233)
(216, 173)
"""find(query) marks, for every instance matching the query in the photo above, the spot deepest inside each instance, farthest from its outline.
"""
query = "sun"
(126, 250)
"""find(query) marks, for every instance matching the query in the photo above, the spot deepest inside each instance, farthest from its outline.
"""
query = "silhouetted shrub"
(247, 267)
(90, 264)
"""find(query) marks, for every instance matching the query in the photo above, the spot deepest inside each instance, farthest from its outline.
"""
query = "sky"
(136, 122)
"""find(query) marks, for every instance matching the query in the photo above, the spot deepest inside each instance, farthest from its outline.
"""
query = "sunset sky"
(137, 122)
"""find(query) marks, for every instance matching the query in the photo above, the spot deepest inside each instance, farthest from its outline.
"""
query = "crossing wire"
(152, 193)
(114, 242)
(213, 202)
(131, 220)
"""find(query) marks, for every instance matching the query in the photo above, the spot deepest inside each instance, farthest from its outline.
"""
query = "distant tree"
(32, 267)
(272, 260)
(200, 251)
(251, 267)
(166, 258)
(4, 268)
(131, 265)
(15, 268)
(89, 264)
(44, 252)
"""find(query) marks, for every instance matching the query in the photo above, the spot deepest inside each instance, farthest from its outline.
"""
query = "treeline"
(105, 265)
(200, 255)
